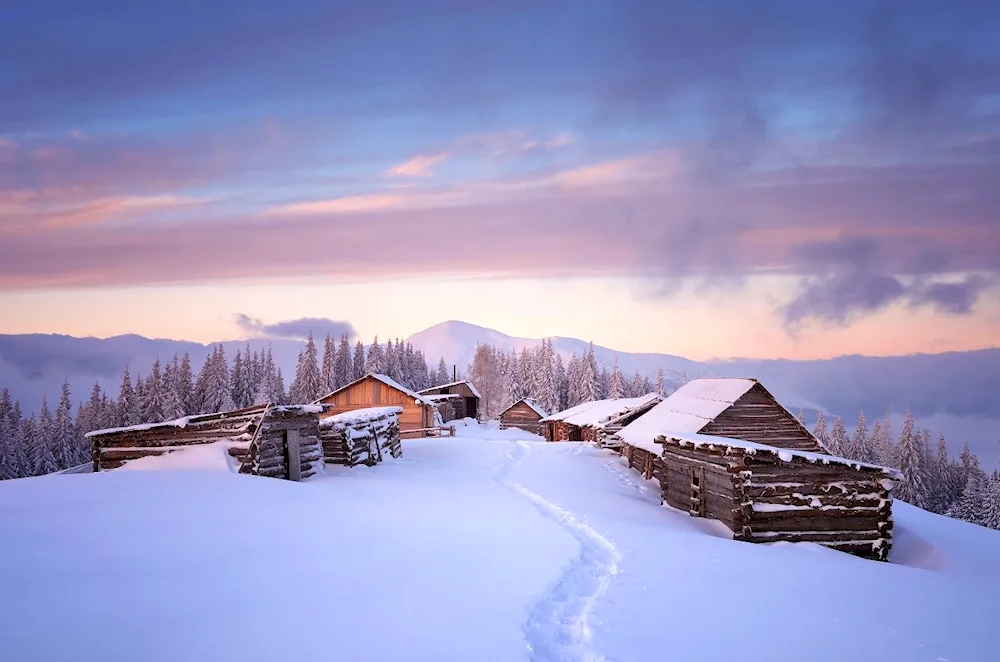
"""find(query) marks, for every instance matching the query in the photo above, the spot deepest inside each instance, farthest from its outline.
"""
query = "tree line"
(37, 443)
(504, 377)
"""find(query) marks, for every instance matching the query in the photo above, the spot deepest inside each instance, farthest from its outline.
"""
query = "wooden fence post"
(294, 455)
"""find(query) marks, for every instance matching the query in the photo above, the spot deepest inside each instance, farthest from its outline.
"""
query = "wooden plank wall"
(521, 416)
(758, 417)
(372, 393)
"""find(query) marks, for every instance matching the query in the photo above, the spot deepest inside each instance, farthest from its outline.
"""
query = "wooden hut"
(455, 400)
(267, 440)
(419, 417)
(586, 421)
(362, 436)
(725, 449)
(524, 414)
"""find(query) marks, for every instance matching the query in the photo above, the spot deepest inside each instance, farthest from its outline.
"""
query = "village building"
(455, 400)
(727, 450)
(266, 440)
(587, 421)
(525, 414)
(419, 418)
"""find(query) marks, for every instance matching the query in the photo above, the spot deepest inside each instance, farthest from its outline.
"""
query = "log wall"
(521, 416)
(258, 439)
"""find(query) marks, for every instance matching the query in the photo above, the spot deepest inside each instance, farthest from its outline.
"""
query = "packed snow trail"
(558, 627)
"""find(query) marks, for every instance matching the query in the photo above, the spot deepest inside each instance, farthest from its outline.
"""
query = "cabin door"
(575, 433)
(697, 491)
(470, 408)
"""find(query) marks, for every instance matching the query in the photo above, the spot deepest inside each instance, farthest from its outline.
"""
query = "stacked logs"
(362, 436)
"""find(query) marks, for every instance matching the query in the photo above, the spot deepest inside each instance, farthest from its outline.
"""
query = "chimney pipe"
(454, 372)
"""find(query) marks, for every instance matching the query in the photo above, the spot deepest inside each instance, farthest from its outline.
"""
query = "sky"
(715, 179)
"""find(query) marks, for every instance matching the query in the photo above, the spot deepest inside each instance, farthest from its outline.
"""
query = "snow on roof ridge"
(784, 454)
(472, 387)
(605, 410)
(532, 403)
(385, 379)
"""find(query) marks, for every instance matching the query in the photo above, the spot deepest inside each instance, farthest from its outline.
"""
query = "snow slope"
(489, 546)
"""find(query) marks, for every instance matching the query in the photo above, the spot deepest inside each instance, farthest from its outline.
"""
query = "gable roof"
(535, 407)
(688, 410)
(388, 381)
(472, 388)
(598, 412)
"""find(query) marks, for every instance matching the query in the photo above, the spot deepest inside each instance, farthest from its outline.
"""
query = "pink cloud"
(418, 166)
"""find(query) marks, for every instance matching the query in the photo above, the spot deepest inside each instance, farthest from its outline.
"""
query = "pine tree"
(358, 364)
(971, 505)
(44, 459)
(801, 416)
(328, 369)
(837, 442)
(509, 378)
(547, 396)
(393, 361)
(172, 407)
(940, 498)
(573, 397)
(991, 502)
(279, 396)
(635, 390)
(236, 381)
(820, 430)
(7, 468)
(912, 488)
(153, 400)
(885, 452)
(374, 362)
(126, 406)
(250, 376)
(421, 374)
(185, 386)
(442, 373)
(659, 383)
(562, 385)
(616, 387)
(861, 442)
(213, 383)
(603, 384)
(308, 384)
(343, 369)
(63, 435)
(23, 447)
(6, 403)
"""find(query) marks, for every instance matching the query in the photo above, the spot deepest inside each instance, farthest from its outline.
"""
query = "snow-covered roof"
(359, 416)
(472, 388)
(597, 412)
(535, 407)
(388, 381)
(785, 455)
(184, 421)
(688, 409)
(441, 397)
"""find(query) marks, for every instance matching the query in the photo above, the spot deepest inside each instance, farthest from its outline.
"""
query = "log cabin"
(419, 417)
(362, 436)
(266, 440)
(726, 450)
(524, 414)
(586, 421)
(456, 399)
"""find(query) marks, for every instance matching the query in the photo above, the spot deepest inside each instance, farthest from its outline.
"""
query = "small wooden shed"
(266, 440)
(586, 421)
(455, 400)
(418, 418)
(524, 414)
(362, 436)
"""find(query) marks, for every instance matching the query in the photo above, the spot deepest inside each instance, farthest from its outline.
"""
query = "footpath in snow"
(489, 546)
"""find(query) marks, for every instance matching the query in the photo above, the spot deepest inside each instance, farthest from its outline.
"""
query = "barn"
(725, 449)
(455, 400)
(419, 417)
(266, 440)
(524, 414)
(586, 421)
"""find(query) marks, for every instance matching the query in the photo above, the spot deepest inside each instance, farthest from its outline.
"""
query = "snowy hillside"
(490, 546)
(456, 342)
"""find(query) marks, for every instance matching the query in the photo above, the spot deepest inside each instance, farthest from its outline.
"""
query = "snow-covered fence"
(362, 436)
(273, 441)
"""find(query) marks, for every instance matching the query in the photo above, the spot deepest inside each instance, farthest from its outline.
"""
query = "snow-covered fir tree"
(637, 387)
(343, 369)
(616, 386)
(819, 431)
(660, 386)
(64, 441)
(603, 384)
(151, 407)
(359, 362)
(547, 393)
(573, 382)
(7, 468)
(991, 502)
(328, 368)
(43, 456)
(308, 383)
(837, 442)
(882, 444)
(250, 377)
(861, 441)
(173, 408)
(23, 452)
(375, 361)
(185, 386)
(394, 361)
(236, 380)
(971, 506)
(913, 488)
(441, 377)
(562, 384)
(125, 405)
